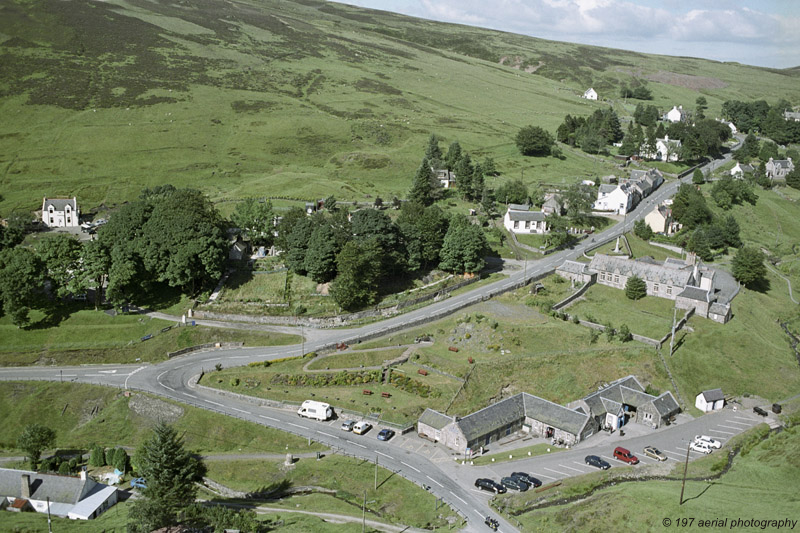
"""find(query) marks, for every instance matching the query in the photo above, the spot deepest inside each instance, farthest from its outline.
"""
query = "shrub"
(234, 382)
(64, 469)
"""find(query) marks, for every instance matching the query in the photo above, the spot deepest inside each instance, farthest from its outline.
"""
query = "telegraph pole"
(685, 468)
(376, 472)
(364, 513)
(672, 338)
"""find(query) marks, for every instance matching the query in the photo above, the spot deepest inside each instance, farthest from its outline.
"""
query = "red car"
(625, 456)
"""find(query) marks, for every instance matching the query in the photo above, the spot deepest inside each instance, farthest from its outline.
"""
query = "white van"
(316, 410)
(362, 427)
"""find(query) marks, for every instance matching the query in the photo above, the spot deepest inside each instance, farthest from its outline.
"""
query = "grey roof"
(492, 418)
(718, 308)
(611, 406)
(783, 163)
(554, 415)
(744, 168)
(435, 419)
(92, 501)
(666, 404)
(598, 400)
(674, 262)
(713, 395)
(573, 267)
(519, 207)
(60, 203)
(695, 293)
(607, 188)
(665, 274)
(63, 489)
(526, 215)
(634, 397)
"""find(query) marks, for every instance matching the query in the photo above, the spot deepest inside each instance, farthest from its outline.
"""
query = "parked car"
(361, 427)
(655, 453)
(385, 434)
(138, 483)
(514, 483)
(347, 425)
(712, 443)
(527, 478)
(624, 455)
(594, 460)
(490, 485)
(701, 447)
(759, 411)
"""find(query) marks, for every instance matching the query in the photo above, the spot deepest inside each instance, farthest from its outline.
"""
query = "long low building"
(609, 408)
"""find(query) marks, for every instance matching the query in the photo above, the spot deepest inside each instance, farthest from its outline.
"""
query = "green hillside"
(296, 98)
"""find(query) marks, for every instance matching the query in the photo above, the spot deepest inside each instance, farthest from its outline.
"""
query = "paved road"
(172, 378)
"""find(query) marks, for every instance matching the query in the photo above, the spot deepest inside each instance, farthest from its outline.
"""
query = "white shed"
(710, 400)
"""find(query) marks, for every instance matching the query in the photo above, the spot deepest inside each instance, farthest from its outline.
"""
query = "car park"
(514, 483)
(654, 453)
(361, 427)
(711, 442)
(699, 447)
(347, 425)
(624, 455)
(527, 478)
(490, 485)
(385, 434)
(596, 461)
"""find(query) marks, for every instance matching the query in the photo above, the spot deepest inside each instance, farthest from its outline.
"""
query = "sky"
(755, 32)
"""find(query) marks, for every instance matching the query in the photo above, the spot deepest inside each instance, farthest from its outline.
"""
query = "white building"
(617, 198)
(777, 169)
(739, 170)
(447, 179)
(660, 220)
(676, 114)
(710, 400)
(666, 150)
(520, 219)
(78, 498)
(590, 94)
(60, 212)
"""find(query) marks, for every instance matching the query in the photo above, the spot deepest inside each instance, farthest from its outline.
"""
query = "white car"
(712, 443)
(362, 427)
(701, 447)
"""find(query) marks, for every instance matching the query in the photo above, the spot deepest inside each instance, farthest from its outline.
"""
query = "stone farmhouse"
(520, 219)
(625, 400)
(777, 169)
(78, 498)
(61, 212)
(689, 284)
(590, 94)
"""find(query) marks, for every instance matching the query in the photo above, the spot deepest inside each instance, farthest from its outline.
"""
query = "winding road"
(175, 379)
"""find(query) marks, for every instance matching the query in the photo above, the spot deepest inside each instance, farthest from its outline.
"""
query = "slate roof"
(573, 267)
(554, 415)
(519, 207)
(89, 504)
(60, 203)
(526, 215)
(64, 489)
(435, 419)
(666, 404)
(783, 163)
(491, 418)
(718, 308)
(674, 262)
(695, 293)
(713, 395)
(607, 188)
(664, 274)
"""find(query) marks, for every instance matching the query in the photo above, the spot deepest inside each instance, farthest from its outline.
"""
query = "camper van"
(316, 410)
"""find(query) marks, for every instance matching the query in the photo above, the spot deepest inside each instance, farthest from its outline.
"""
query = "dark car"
(385, 434)
(514, 483)
(490, 485)
(527, 478)
(594, 460)
(492, 523)
(759, 411)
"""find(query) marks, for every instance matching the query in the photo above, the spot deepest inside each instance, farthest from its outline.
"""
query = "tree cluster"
(534, 141)
(702, 232)
(638, 92)
(591, 134)
(759, 116)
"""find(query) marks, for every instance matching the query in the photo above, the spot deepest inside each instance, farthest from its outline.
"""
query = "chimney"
(83, 474)
(25, 492)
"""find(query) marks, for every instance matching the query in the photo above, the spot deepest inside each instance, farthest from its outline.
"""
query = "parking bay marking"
(575, 469)
(542, 475)
(738, 423)
(720, 431)
(557, 472)
(729, 427)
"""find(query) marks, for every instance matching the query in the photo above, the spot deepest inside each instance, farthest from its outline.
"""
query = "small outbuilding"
(710, 400)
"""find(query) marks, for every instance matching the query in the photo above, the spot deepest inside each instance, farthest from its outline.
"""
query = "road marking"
(673, 453)
(69, 375)
(132, 373)
(459, 497)
(738, 423)
(181, 366)
(383, 454)
(327, 434)
(534, 474)
(297, 425)
(569, 467)
(411, 467)
(580, 464)
(729, 427)
(744, 418)
(242, 411)
(429, 477)
(189, 395)
(608, 458)
(720, 431)
(239, 357)
(161, 374)
(269, 418)
(214, 359)
(718, 438)
(169, 388)
(107, 371)
(557, 472)
(213, 403)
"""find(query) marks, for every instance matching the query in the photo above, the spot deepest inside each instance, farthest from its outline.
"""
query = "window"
(616, 278)
(51, 220)
(527, 224)
(655, 287)
(602, 276)
(516, 224)
(669, 291)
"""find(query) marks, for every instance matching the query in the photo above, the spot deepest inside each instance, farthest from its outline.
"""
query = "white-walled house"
(660, 220)
(739, 170)
(676, 114)
(617, 198)
(590, 94)
(666, 150)
(61, 212)
(78, 498)
(447, 178)
(520, 219)
(710, 400)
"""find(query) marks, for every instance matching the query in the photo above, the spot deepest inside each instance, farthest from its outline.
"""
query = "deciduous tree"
(534, 141)
(748, 266)
(34, 439)
(463, 248)
(359, 271)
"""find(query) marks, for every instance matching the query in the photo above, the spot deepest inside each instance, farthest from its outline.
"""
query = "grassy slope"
(282, 98)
